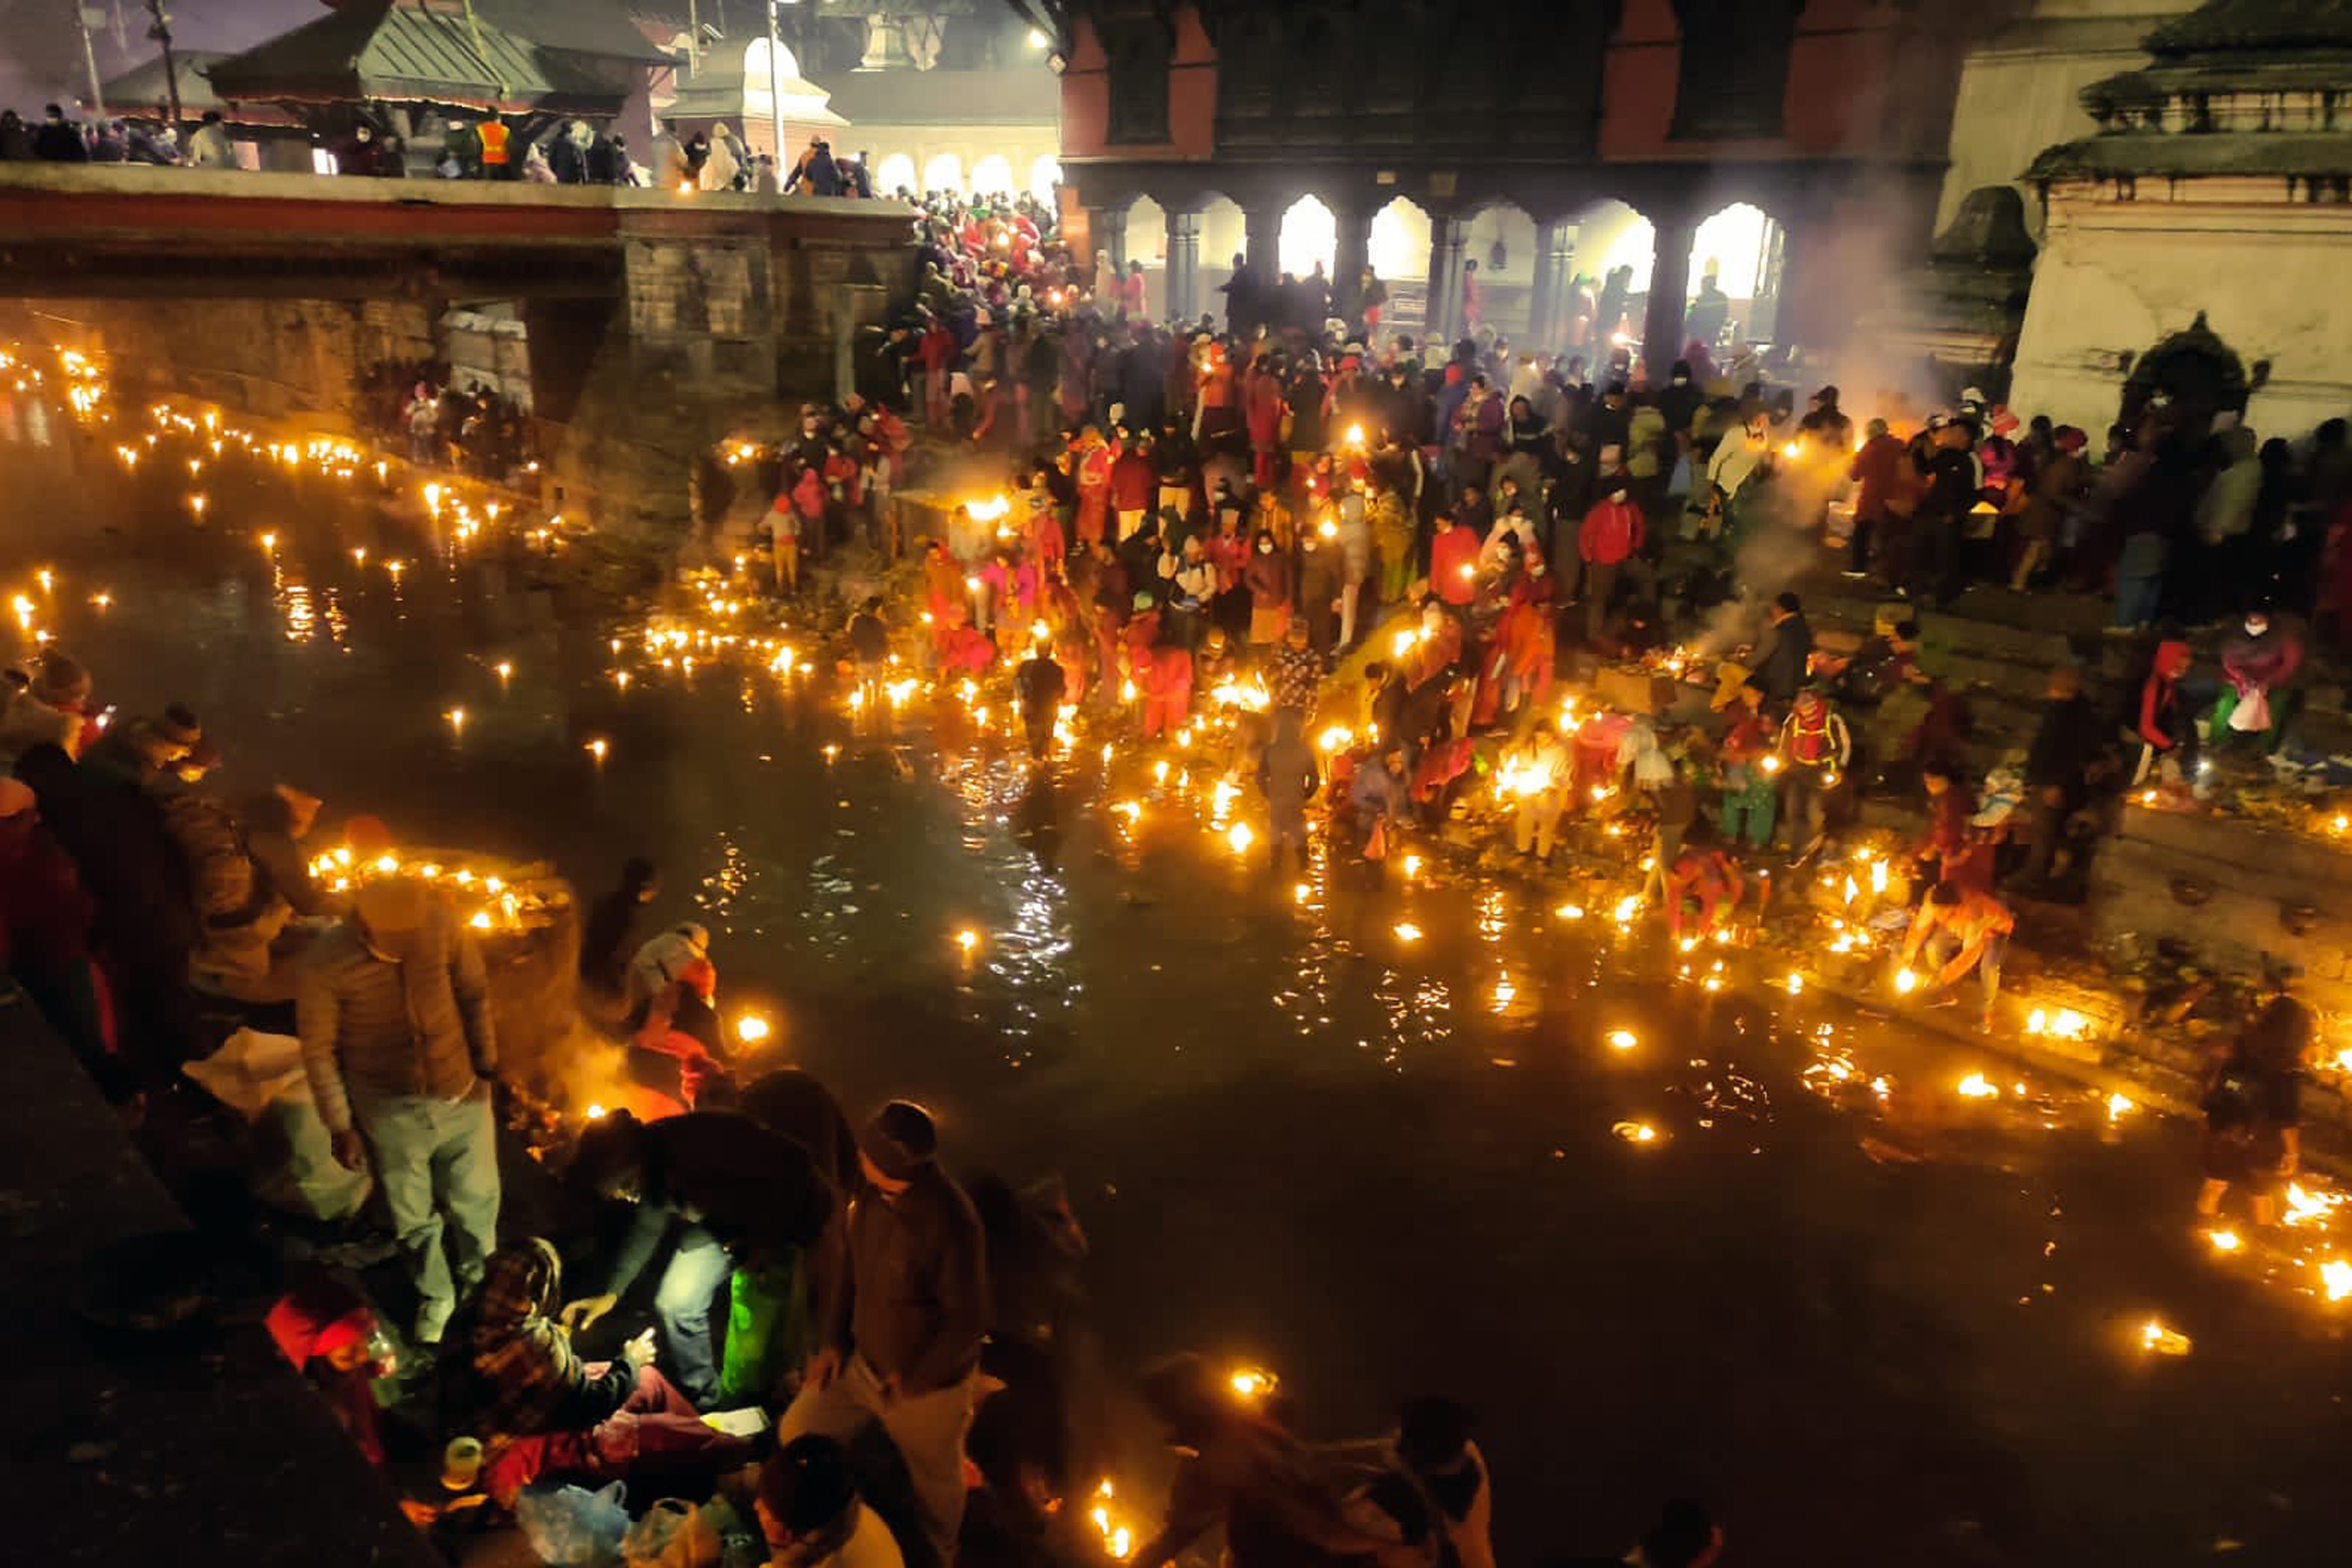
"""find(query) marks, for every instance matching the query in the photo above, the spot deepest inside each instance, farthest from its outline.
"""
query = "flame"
(1622, 1039)
(751, 1029)
(1974, 1087)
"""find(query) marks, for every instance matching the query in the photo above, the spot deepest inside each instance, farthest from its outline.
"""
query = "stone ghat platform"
(129, 1447)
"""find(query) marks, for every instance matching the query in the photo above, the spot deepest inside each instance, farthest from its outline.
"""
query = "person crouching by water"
(1282, 1503)
(2253, 1104)
(1959, 928)
(540, 1411)
(750, 1202)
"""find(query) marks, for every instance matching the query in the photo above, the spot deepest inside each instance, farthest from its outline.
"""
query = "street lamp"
(162, 33)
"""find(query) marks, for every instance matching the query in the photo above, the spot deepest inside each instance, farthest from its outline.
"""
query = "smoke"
(1782, 546)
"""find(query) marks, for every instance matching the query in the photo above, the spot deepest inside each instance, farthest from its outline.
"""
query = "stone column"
(1447, 235)
(1662, 319)
(1184, 265)
(1347, 262)
(1108, 225)
(1262, 239)
(1555, 256)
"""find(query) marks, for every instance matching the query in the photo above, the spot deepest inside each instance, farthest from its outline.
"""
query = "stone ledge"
(124, 1450)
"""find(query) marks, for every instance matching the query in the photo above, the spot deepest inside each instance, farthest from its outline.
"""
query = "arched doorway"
(1309, 239)
(1735, 278)
(1224, 236)
(1502, 241)
(2187, 379)
(1044, 174)
(1147, 241)
(1609, 284)
(992, 177)
(896, 174)
(943, 172)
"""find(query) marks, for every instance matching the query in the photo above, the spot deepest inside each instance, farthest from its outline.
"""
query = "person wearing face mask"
(2261, 665)
(1267, 577)
(1612, 535)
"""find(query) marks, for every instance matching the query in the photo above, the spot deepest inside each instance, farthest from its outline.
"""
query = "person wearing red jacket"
(936, 354)
(1612, 535)
(1875, 470)
(1166, 677)
(1261, 410)
(1453, 562)
(1134, 485)
(2166, 734)
(1093, 471)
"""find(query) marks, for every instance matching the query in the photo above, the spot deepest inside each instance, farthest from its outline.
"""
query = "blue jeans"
(432, 1154)
(2139, 578)
(682, 1305)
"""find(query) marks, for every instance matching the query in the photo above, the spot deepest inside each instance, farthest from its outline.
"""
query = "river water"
(1867, 1327)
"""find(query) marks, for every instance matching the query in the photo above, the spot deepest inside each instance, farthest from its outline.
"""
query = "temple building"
(2198, 240)
(1617, 163)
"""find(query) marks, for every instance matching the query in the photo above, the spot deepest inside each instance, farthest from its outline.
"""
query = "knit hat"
(900, 1139)
(179, 725)
(60, 682)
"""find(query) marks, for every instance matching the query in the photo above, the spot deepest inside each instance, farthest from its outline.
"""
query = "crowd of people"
(893, 1381)
(418, 408)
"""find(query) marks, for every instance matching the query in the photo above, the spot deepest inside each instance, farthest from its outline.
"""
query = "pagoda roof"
(2236, 86)
(510, 55)
(2242, 26)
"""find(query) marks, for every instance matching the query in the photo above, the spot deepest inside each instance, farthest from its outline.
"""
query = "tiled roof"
(403, 50)
(2263, 25)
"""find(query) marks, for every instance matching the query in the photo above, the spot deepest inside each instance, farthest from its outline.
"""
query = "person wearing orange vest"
(494, 134)
(1814, 749)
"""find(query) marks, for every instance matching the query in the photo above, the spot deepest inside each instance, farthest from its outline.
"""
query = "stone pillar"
(1183, 266)
(1447, 237)
(1262, 239)
(1555, 258)
(1348, 263)
(1108, 225)
(1662, 319)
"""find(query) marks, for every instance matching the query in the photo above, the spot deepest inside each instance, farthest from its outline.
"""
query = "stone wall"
(2019, 89)
(2123, 271)
(2252, 879)
(272, 358)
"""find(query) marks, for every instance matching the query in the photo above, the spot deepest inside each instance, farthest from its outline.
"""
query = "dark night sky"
(40, 50)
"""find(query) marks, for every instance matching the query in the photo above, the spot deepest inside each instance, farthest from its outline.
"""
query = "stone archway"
(897, 173)
(1735, 278)
(1501, 240)
(2187, 379)
(1308, 237)
(1044, 174)
(991, 177)
(944, 172)
(1609, 287)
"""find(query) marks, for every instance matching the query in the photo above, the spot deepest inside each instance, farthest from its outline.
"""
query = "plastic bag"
(2252, 715)
(673, 1534)
(572, 1527)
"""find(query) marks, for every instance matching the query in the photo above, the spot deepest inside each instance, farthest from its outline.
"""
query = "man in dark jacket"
(749, 1197)
(905, 1347)
(2058, 769)
(1788, 653)
(55, 142)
